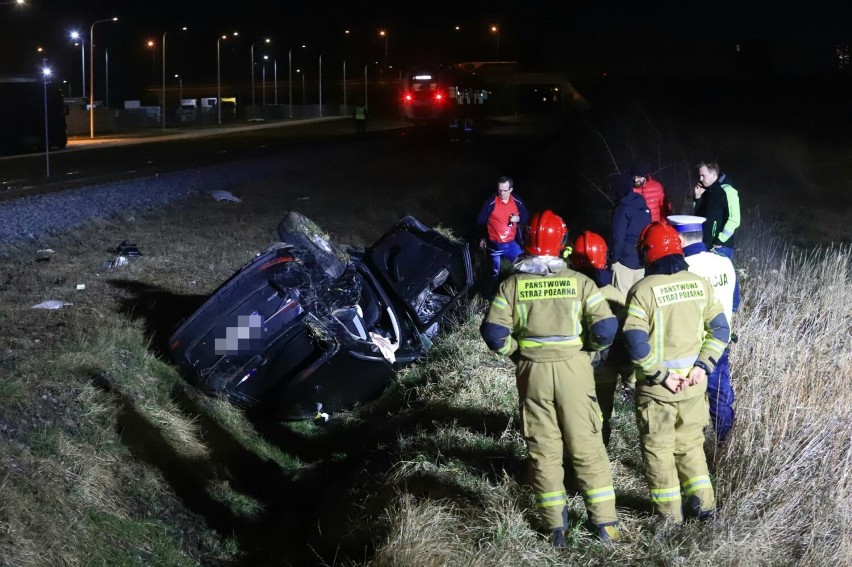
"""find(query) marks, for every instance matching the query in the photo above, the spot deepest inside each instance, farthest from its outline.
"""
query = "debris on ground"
(221, 195)
(126, 249)
(52, 304)
(44, 254)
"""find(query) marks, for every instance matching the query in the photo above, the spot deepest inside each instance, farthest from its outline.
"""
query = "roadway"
(87, 161)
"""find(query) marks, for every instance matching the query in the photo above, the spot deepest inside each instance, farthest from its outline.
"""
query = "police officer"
(538, 316)
(588, 257)
(676, 331)
(719, 271)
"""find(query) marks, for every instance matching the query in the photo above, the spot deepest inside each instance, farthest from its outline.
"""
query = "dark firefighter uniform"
(674, 323)
(542, 318)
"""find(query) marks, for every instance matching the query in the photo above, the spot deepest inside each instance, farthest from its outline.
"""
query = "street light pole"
(219, 76)
(496, 30)
(163, 110)
(180, 89)
(384, 35)
(275, 77)
(290, 80)
(92, 75)
(263, 84)
(46, 74)
(76, 35)
(320, 85)
(251, 50)
(219, 79)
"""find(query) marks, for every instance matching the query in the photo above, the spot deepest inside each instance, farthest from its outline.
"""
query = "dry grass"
(110, 459)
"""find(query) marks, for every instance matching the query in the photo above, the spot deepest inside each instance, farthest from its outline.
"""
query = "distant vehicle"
(188, 110)
(441, 96)
(22, 115)
(308, 327)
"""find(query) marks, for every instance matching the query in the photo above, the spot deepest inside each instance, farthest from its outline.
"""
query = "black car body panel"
(308, 325)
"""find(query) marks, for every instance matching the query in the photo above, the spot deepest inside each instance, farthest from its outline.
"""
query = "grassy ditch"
(110, 458)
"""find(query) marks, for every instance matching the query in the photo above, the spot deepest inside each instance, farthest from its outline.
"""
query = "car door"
(426, 271)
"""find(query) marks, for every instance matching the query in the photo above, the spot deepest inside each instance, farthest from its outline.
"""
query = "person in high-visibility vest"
(540, 316)
(360, 116)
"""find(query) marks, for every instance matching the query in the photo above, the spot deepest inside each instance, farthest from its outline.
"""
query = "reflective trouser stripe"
(671, 435)
(693, 485)
(548, 499)
(599, 495)
(559, 416)
(659, 495)
(537, 342)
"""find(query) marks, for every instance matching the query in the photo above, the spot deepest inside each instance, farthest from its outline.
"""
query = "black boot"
(692, 509)
(557, 538)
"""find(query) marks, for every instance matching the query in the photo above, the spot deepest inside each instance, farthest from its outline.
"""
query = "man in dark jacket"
(630, 217)
(719, 203)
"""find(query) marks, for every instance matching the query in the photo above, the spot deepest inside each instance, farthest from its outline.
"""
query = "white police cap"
(686, 223)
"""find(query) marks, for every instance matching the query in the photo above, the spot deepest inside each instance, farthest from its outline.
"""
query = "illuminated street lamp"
(92, 75)
(180, 88)
(163, 112)
(46, 73)
(75, 35)
(266, 40)
(219, 75)
(263, 88)
(383, 34)
(151, 44)
(496, 31)
(290, 81)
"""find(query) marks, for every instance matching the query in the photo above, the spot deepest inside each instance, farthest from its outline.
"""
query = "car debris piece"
(52, 304)
(221, 195)
(44, 254)
(127, 249)
(310, 324)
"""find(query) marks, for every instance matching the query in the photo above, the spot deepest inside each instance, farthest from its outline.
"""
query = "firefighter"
(588, 257)
(538, 317)
(676, 331)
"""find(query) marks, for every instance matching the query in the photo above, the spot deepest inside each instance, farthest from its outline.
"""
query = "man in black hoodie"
(630, 217)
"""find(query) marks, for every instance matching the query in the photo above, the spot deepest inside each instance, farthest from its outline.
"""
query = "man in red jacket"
(652, 190)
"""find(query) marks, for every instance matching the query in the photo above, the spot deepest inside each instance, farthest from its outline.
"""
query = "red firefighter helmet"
(589, 252)
(546, 234)
(658, 239)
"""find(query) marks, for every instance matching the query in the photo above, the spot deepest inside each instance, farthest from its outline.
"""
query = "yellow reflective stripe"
(714, 345)
(499, 303)
(599, 495)
(636, 311)
(522, 315)
(549, 499)
(533, 343)
(594, 299)
(659, 331)
(576, 311)
(695, 484)
(665, 494)
(507, 346)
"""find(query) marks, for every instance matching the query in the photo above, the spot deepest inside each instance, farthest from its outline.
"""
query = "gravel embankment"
(30, 218)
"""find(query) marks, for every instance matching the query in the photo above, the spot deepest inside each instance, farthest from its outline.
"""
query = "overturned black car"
(309, 326)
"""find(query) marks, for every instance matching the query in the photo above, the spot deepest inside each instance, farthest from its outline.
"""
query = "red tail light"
(439, 97)
(407, 97)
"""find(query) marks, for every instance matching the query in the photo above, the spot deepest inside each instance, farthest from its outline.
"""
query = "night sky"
(785, 36)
